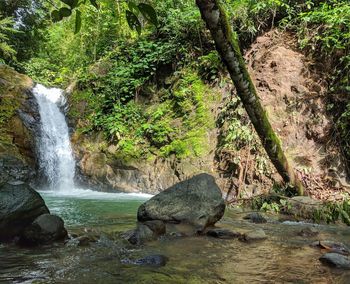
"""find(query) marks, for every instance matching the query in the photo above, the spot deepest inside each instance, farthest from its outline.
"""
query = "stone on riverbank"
(255, 217)
(257, 235)
(303, 207)
(19, 206)
(332, 246)
(196, 201)
(45, 229)
(336, 260)
(223, 234)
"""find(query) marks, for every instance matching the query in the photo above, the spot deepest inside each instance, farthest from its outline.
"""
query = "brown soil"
(294, 95)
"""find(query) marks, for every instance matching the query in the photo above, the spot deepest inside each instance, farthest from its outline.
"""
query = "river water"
(284, 257)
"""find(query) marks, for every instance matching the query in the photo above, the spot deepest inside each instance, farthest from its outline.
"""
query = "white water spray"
(55, 152)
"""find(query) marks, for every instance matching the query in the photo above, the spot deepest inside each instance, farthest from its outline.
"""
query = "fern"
(6, 28)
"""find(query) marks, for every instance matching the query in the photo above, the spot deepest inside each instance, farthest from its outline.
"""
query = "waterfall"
(55, 152)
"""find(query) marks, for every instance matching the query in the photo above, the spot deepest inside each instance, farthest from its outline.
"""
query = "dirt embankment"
(294, 94)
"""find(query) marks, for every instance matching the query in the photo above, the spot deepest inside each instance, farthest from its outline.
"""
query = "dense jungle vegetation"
(149, 90)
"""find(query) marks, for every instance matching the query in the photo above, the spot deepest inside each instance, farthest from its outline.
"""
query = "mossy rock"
(304, 207)
(13, 89)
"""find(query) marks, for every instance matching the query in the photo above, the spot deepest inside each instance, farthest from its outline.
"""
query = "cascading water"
(55, 152)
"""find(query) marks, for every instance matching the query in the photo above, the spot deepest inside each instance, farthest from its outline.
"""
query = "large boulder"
(196, 201)
(19, 206)
(45, 229)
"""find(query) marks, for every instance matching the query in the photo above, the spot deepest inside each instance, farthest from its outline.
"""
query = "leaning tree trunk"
(227, 45)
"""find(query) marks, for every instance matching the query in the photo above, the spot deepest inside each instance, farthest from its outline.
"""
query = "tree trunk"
(227, 45)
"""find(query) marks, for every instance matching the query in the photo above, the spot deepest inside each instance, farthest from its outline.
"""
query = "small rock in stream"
(308, 232)
(156, 260)
(83, 241)
(257, 235)
(336, 260)
(255, 217)
(222, 233)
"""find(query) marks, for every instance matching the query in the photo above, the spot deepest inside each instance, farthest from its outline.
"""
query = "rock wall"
(19, 120)
(103, 171)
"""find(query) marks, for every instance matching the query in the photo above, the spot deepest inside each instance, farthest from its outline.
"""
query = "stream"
(284, 257)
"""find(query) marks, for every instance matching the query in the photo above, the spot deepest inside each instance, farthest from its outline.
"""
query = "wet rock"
(45, 229)
(332, 246)
(308, 232)
(83, 241)
(196, 201)
(13, 170)
(156, 260)
(336, 260)
(153, 260)
(140, 235)
(255, 217)
(180, 230)
(257, 235)
(222, 234)
(156, 226)
(19, 206)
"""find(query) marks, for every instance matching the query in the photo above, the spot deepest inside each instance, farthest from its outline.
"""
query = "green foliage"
(131, 14)
(146, 10)
(43, 71)
(176, 125)
(6, 29)
(334, 211)
(251, 17)
(239, 132)
(210, 66)
(327, 28)
(189, 100)
(273, 202)
(133, 65)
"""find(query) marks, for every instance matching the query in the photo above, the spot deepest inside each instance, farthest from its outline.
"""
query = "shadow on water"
(284, 257)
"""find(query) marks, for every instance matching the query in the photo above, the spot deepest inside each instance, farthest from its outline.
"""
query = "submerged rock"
(141, 234)
(196, 201)
(308, 232)
(83, 241)
(336, 260)
(255, 217)
(222, 233)
(156, 260)
(19, 206)
(45, 229)
(147, 231)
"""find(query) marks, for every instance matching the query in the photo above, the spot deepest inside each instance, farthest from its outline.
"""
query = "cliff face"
(102, 170)
(18, 122)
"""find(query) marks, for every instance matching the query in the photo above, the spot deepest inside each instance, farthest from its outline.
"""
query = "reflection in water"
(284, 258)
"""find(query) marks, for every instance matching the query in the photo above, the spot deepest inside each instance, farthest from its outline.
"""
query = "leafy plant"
(6, 28)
